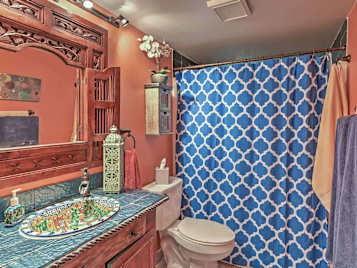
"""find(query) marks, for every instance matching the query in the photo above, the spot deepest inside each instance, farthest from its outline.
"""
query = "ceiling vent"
(228, 10)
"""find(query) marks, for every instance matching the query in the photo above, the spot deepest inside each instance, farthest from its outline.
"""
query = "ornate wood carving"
(25, 7)
(38, 159)
(74, 28)
(15, 36)
(70, 37)
(37, 163)
(97, 60)
(80, 43)
(15, 167)
(103, 108)
(55, 160)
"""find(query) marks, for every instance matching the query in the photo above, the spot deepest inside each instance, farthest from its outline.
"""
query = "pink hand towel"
(132, 172)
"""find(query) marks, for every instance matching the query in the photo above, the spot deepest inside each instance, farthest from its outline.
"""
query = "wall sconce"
(119, 21)
(116, 21)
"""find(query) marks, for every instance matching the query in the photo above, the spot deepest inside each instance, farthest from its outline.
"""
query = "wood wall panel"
(24, 7)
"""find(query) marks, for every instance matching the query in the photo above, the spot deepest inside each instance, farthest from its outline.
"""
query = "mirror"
(38, 81)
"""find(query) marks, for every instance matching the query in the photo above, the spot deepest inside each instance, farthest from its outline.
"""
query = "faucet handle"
(84, 170)
(84, 189)
(85, 173)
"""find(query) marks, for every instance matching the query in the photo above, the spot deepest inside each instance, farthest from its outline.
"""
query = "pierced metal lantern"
(113, 162)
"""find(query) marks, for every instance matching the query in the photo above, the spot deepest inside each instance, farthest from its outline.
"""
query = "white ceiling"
(275, 26)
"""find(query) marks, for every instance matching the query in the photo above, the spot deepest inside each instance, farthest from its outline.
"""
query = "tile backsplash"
(41, 197)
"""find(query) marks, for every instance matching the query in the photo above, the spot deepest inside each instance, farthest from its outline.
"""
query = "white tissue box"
(162, 175)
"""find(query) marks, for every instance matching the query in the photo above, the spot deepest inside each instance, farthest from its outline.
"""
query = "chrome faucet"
(84, 189)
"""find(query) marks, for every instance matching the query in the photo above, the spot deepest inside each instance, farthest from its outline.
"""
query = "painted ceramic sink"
(69, 217)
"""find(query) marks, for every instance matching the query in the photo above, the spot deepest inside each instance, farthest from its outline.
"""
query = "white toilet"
(189, 243)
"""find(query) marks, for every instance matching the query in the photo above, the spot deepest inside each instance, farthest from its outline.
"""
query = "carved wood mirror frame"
(82, 44)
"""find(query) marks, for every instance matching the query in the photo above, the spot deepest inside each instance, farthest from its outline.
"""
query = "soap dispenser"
(15, 213)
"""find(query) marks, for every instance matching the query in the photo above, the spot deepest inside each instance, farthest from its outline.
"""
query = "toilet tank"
(168, 212)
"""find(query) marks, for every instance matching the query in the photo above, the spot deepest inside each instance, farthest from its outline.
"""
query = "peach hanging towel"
(132, 172)
(335, 106)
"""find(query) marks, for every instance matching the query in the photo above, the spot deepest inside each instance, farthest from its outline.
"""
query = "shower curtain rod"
(260, 58)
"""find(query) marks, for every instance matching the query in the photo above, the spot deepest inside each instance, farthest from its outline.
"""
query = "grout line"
(36, 250)
(34, 200)
(46, 255)
(7, 245)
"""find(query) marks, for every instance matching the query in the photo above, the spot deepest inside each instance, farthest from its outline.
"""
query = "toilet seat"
(205, 232)
(198, 238)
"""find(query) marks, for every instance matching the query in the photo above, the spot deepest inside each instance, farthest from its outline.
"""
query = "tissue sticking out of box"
(162, 173)
(163, 163)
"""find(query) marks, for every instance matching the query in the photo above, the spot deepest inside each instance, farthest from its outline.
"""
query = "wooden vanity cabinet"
(130, 247)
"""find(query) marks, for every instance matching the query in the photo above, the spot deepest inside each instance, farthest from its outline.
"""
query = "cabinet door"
(165, 104)
(165, 122)
(141, 254)
(143, 258)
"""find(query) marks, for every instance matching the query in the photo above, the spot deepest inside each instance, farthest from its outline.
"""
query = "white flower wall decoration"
(154, 49)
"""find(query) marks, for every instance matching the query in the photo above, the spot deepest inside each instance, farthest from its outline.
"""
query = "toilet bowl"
(188, 243)
(202, 242)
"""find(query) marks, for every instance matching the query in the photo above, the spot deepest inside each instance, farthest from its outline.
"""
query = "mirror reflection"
(39, 99)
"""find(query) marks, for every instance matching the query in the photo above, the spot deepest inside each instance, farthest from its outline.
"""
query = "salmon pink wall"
(57, 95)
(352, 50)
(135, 72)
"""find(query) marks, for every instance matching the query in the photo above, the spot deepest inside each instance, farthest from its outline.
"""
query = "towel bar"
(129, 135)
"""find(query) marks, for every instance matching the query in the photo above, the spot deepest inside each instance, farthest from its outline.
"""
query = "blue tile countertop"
(17, 251)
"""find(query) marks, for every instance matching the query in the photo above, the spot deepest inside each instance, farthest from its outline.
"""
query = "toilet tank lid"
(163, 188)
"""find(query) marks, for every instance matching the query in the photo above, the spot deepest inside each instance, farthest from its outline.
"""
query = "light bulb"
(88, 4)
(124, 22)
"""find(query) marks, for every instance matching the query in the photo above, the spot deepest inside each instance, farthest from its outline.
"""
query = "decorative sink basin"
(69, 217)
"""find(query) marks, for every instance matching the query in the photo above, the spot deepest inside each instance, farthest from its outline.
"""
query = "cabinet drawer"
(137, 231)
(140, 254)
(165, 103)
(165, 122)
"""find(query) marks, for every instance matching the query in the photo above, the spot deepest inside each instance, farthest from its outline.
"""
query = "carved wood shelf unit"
(158, 109)
(79, 43)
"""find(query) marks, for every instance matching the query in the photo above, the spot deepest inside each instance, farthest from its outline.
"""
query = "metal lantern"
(113, 162)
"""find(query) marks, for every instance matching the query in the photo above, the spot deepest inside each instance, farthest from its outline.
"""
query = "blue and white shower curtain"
(246, 140)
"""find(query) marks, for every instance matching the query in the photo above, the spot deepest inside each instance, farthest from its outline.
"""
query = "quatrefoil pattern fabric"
(246, 140)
